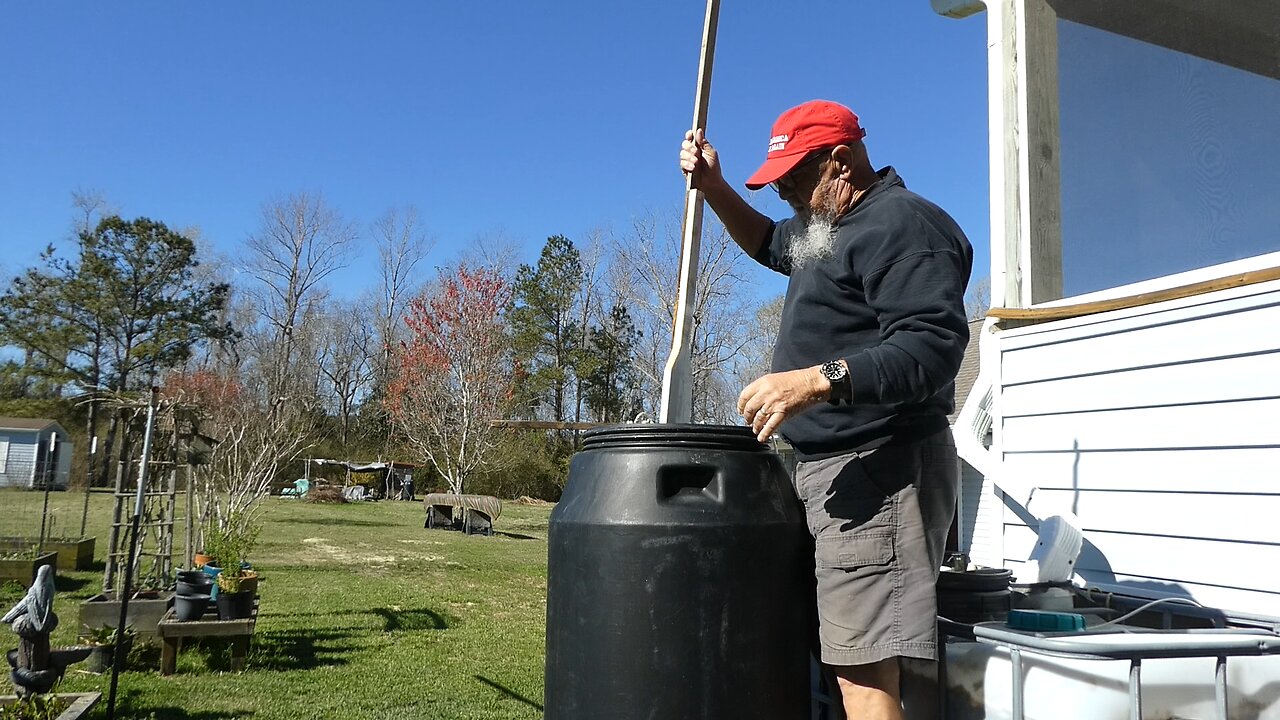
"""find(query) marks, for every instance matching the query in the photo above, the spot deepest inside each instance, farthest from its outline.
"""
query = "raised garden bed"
(72, 554)
(79, 704)
(144, 613)
(23, 569)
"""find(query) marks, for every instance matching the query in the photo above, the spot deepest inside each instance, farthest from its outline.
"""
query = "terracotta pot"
(200, 559)
(249, 582)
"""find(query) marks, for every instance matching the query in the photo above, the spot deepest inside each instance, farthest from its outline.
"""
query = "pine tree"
(128, 307)
(612, 383)
(545, 335)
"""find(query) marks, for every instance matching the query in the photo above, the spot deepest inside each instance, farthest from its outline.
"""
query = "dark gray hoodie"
(890, 301)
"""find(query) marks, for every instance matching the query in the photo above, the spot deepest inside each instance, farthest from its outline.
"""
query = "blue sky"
(517, 119)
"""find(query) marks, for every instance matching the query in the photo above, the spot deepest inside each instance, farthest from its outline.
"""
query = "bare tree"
(240, 311)
(301, 242)
(759, 350)
(348, 359)
(645, 274)
(496, 250)
(978, 301)
(261, 393)
(402, 246)
(588, 303)
(90, 207)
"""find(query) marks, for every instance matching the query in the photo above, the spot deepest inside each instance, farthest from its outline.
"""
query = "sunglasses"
(785, 180)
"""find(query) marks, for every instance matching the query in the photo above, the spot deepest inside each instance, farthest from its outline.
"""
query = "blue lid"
(1045, 620)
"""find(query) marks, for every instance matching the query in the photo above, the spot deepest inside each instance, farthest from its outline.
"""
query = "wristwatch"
(838, 375)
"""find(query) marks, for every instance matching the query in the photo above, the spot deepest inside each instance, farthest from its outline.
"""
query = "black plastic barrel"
(680, 580)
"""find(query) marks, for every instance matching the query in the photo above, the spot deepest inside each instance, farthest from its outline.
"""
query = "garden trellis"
(174, 444)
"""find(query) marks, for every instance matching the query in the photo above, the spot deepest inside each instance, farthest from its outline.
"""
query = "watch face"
(833, 371)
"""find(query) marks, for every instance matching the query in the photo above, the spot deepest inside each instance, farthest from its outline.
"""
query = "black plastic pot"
(235, 606)
(195, 587)
(190, 607)
(973, 596)
(680, 580)
(190, 575)
(101, 657)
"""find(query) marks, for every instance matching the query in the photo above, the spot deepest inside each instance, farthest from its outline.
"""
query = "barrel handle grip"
(690, 483)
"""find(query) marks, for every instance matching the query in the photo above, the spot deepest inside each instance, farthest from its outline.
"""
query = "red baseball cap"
(799, 131)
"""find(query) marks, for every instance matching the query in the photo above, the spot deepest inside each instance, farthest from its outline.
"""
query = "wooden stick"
(1064, 312)
(677, 378)
(545, 425)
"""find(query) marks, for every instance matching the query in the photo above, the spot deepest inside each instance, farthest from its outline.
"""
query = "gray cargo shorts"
(879, 520)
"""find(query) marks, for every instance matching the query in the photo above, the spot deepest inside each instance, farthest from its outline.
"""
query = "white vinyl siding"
(20, 460)
(981, 508)
(1159, 427)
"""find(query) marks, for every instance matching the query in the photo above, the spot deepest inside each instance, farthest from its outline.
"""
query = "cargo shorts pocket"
(852, 552)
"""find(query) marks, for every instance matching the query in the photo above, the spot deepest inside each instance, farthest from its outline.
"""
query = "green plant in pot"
(233, 540)
(236, 590)
(105, 642)
(217, 543)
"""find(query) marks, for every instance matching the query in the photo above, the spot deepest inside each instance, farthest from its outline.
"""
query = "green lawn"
(364, 614)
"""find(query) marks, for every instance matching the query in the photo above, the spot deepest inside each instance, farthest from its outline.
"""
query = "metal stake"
(1220, 686)
(1135, 689)
(88, 484)
(118, 657)
(46, 477)
(1016, 657)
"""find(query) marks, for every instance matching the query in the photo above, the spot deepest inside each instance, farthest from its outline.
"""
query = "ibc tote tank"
(680, 580)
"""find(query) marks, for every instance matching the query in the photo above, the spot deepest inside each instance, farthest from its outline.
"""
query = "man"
(873, 330)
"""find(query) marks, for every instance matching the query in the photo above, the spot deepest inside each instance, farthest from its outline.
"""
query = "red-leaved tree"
(453, 376)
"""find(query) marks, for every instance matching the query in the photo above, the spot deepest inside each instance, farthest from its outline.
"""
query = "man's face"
(805, 187)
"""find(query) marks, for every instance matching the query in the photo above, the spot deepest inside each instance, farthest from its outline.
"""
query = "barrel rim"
(674, 435)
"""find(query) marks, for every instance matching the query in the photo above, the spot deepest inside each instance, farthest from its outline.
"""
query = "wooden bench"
(172, 631)
(477, 516)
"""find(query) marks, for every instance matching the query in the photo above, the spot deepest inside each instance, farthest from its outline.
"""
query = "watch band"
(841, 388)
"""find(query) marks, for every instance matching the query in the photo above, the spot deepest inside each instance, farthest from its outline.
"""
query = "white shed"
(34, 451)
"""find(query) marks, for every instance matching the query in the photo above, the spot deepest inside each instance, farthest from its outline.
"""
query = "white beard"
(813, 246)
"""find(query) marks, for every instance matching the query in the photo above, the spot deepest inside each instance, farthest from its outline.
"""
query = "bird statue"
(35, 610)
(35, 666)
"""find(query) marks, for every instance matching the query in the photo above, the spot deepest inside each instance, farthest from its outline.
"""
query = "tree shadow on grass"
(344, 522)
(132, 704)
(422, 619)
(303, 649)
(392, 619)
